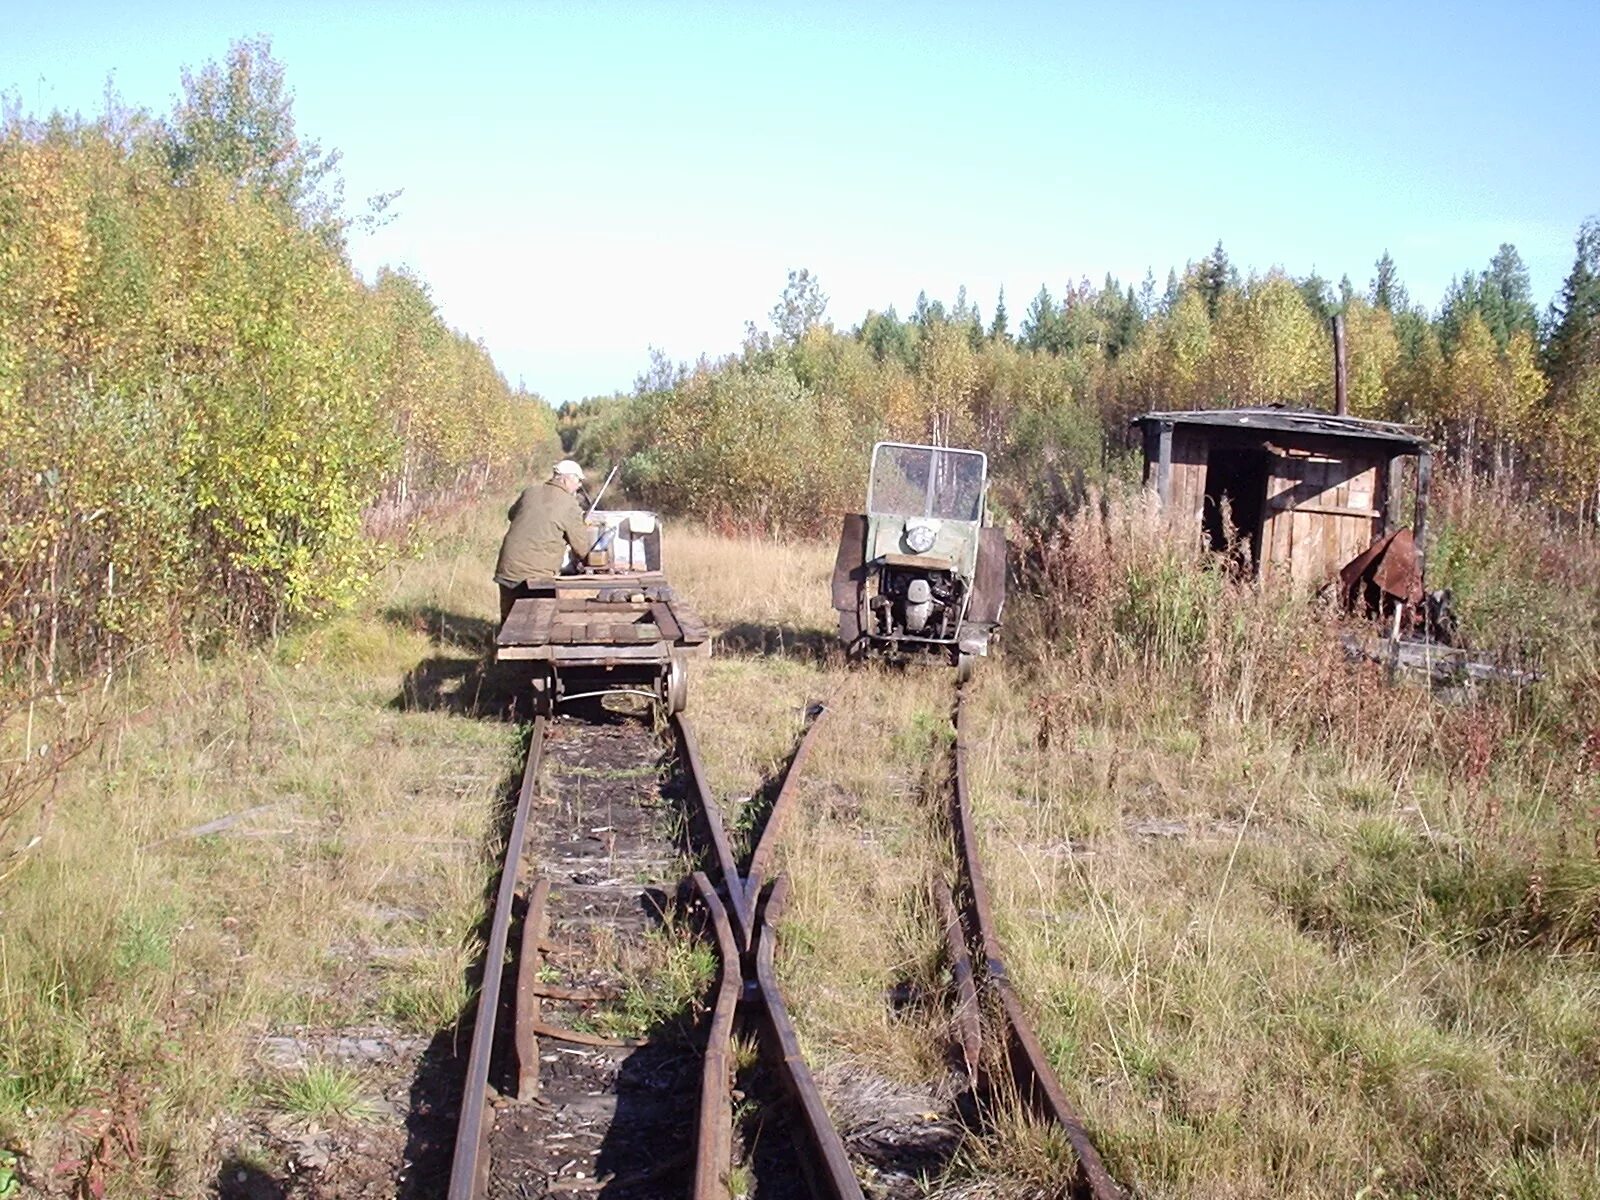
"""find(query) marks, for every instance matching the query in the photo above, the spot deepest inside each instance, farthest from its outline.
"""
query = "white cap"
(567, 467)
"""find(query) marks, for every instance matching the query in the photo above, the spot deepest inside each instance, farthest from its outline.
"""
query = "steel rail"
(1035, 1077)
(828, 1166)
(969, 1031)
(714, 1140)
(747, 954)
(726, 866)
(469, 1165)
(767, 844)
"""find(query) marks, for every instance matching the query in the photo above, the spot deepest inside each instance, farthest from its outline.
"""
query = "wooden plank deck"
(583, 620)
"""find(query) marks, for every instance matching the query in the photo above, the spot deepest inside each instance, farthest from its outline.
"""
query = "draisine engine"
(919, 574)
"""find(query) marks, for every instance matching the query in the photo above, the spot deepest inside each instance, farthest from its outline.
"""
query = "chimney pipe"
(1341, 403)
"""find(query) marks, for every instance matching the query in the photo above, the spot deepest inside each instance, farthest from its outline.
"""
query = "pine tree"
(997, 327)
(1147, 295)
(1174, 289)
(1507, 297)
(1318, 295)
(1042, 323)
(1386, 291)
(1214, 277)
(1574, 340)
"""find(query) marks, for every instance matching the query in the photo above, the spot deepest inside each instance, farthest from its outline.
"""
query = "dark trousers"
(509, 594)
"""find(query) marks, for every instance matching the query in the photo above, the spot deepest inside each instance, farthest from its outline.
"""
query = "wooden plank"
(527, 624)
(1164, 465)
(661, 614)
(691, 628)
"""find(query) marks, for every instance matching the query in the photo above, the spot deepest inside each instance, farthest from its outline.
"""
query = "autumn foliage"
(777, 435)
(202, 406)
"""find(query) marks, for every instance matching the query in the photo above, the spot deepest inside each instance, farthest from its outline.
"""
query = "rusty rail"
(746, 954)
(1030, 1067)
(767, 845)
(715, 832)
(470, 1164)
(827, 1167)
(714, 1141)
(527, 1007)
(969, 1030)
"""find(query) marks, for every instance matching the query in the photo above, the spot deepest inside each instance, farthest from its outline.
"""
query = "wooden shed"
(1305, 491)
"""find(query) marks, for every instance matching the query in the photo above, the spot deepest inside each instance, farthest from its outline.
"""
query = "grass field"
(1287, 931)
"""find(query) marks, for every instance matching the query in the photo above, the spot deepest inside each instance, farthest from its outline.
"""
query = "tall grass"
(1294, 929)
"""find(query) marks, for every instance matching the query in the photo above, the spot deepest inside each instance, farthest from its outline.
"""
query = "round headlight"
(920, 538)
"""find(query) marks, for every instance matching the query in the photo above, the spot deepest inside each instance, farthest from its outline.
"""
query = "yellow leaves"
(1372, 355)
(1271, 346)
(217, 385)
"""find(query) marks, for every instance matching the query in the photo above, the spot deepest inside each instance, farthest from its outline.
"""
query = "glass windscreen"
(923, 481)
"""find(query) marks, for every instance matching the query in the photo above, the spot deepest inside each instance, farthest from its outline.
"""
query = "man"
(544, 520)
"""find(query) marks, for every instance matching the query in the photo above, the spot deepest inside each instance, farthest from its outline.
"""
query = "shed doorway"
(1236, 480)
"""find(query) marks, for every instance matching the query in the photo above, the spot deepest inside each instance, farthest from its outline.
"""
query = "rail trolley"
(613, 624)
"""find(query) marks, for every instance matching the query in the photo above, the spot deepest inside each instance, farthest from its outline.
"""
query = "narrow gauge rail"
(969, 925)
(743, 915)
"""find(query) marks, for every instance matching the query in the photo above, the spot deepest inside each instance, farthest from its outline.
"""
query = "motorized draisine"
(920, 574)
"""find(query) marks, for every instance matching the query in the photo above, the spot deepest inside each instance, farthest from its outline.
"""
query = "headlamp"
(920, 537)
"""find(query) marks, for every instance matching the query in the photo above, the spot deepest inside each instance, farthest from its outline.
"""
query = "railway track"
(551, 1107)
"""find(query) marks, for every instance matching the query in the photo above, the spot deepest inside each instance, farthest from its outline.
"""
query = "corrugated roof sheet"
(1293, 420)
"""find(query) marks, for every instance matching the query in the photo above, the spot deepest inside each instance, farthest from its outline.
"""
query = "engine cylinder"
(919, 605)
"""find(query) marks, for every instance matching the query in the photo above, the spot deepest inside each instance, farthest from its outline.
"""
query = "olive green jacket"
(544, 520)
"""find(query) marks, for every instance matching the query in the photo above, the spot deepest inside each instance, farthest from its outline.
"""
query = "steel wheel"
(675, 687)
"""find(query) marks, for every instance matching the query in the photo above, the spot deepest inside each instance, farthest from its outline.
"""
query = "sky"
(581, 182)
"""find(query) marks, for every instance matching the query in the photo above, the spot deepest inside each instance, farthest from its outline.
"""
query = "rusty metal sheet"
(1389, 567)
(989, 579)
(849, 563)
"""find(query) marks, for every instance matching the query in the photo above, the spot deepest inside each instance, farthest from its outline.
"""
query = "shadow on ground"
(778, 641)
(464, 679)
(238, 1180)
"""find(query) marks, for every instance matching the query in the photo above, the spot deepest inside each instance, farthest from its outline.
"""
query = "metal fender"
(849, 575)
(989, 580)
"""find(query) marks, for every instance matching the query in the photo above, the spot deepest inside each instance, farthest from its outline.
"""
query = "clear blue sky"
(582, 181)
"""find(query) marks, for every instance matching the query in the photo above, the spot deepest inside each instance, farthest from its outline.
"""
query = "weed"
(321, 1092)
(144, 938)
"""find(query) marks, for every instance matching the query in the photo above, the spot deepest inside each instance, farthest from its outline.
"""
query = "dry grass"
(337, 887)
(1287, 931)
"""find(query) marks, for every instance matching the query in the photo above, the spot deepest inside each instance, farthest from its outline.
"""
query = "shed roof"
(1280, 419)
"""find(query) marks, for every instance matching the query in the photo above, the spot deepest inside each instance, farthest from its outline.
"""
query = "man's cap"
(567, 467)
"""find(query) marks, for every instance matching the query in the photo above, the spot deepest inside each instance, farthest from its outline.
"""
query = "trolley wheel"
(675, 686)
(966, 666)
